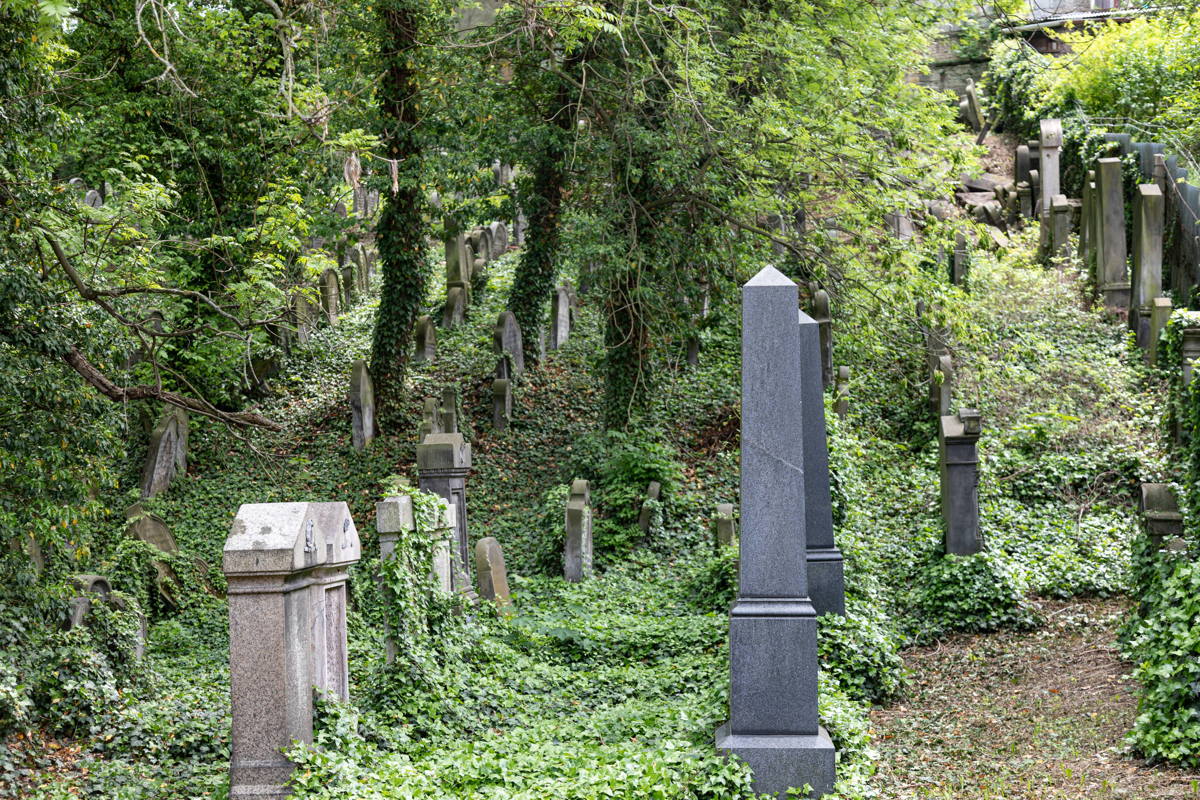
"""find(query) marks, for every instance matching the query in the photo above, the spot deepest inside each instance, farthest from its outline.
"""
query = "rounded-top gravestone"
(506, 339)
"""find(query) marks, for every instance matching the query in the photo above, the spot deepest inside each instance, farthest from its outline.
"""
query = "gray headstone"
(286, 566)
(148, 528)
(726, 526)
(501, 403)
(455, 312)
(506, 340)
(646, 515)
(1060, 238)
(491, 572)
(560, 317)
(93, 199)
(1146, 281)
(167, 454)
(425, 335)
(826, 571)
(348, 283)
(443, 464)
(773, 723)
(448, 410)
(577, 546)
(485, 245)
(330, 294)
(499, 239)
(958, 436)
(431, 420)
(1160, 516)
(1048, 174)
(943, 378)
(1025, 200)
(1112, 271)
(1023, 164)
(1160, 312)
(362, 405)
(824, 319)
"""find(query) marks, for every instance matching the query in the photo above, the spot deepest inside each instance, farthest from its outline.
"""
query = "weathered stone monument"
(167, 454)
(426, 340)
(824, 319)
(726, 526)
(943, 378)
(1159, 510)
(455, 311)
(92, 199)
(506, 341)
(443, 464)
(560, 317)
(826, 578)
(502, 403)
(1111, 271)
(1060, 234)
(1146, 281)
(491, 572)
(499, 239)
(841, 404)
(431, 420)
(958, 436)
(286, 566)
(362, 405)
(1048, 167)
(1160, 313)
(961, 261)
(149, 528)
(330, 293)
(646, 515)
(577, 545)
(773, 724)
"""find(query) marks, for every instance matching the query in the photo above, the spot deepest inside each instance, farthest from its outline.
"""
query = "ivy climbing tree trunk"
(400, 232)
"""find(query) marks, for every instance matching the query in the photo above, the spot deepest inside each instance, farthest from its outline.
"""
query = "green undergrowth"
(614, 687)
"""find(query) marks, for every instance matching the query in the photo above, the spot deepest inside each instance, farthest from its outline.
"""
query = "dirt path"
(1028, 716)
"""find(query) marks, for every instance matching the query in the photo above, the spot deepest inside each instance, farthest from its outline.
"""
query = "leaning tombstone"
(826, 570)
(506, 340)
(286, 565)
(577, 545)
(1160, 516)
(455, 311)
(726, 526)
(1146, 281)
(646, 515)
(491, 572)
(1112, 272)
(824, 319)
(149, 528)
(841, 405)
(167, 454)
(958, 437)
(1160, 313)
(560, 317)
(426, 340)
(362, 405)
(773, 724)
(329, 295)
(502, 403)
(443, 464)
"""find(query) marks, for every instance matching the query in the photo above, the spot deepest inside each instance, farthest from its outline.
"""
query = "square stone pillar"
(577, 547)
(1051, 145)
(773, 723)
(1060, 237)
(826, 571)
(285, 564)
(958, 436)
(1112, 273)
(1147, 259)
(443, 464)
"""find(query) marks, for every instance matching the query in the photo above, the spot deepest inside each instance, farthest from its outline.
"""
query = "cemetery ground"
(613, 687)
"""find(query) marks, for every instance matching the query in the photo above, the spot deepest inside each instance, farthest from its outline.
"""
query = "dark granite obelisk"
(773, 724)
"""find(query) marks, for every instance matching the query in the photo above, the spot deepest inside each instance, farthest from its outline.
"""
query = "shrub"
(863, 654)
(968, 593)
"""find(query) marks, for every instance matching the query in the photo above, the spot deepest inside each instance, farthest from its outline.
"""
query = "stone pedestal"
(1159, 511)
(1147, 259)
(826, 571)
(285, 564)
(1112, 271)
(577, 546)
(443, 464)
(773, 722)
(958, 436)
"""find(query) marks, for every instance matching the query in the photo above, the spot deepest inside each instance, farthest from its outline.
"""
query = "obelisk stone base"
(827, 581)
(781, 762)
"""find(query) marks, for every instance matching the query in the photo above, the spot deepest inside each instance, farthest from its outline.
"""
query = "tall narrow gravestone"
(286, 565)
(1146, 281)
(841, 405)
(824, 319)
(958, 437)
(1160, 312)
(1111, 270)
(443, 463)
(426, 340)
(646, 514)
(491, 572)
(726, 526)
(167, 454)
(362, 406)
(773, 724)
(577, 546)
(560, 317)
(1060, 234)
(502, 403)
(943, 378)
(1048, 155)
(826, 578)
(329, 295)
(507, 341)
